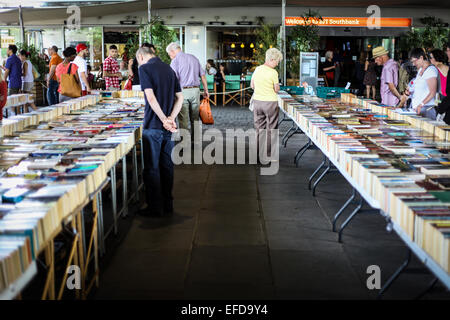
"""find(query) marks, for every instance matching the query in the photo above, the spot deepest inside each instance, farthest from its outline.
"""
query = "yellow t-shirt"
(264, 78)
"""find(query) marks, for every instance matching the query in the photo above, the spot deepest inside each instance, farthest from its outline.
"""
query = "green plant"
(434, 34)
(266, 37)
(132, 44)
(160, 36)
(35, 59)
(302, 38)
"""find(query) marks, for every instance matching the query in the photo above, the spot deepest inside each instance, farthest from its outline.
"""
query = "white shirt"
(29, 76)
(212, 71)
(421, 89)
(82, 67)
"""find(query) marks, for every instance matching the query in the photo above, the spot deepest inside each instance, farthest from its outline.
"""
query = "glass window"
(53, 37)
(8, 36)
(92, 37)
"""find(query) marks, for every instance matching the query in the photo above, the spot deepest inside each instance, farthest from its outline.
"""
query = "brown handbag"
(70, 86)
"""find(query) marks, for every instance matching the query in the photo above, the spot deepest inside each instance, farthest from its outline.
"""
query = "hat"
(378, 52)
(81, 47)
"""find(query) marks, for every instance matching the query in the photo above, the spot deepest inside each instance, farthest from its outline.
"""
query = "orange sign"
(350, 22)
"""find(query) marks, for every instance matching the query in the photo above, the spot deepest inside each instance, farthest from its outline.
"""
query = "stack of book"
(49, 168)
(15, 258)
(398, 159)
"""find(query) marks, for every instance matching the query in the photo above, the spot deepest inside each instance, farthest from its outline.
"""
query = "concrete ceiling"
(34, 14)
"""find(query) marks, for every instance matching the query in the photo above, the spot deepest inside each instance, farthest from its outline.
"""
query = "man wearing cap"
(389, 77)
(82, 52)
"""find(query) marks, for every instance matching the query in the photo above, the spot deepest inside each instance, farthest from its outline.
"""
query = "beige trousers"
(265, 118)
(190, 109)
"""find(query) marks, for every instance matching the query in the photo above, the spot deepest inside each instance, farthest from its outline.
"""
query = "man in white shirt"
(82, 52)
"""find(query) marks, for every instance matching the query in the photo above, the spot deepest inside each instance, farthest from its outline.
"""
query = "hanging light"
(242, 45)
(260, 45)
(252, 45)
(233, 46)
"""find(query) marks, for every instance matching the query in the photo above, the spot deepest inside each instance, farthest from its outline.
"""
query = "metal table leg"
(307, 146)
(83, 233)
(294, 131)
(320, 178)
(125, 186)
(316, 172)
(142, 155)
(293, 127)
(284, 119)
(300, 150)
(352, 215)
(395, 275)
(341, 210)
(100, 229)
(114, 197)
(135, 174)
(430, 286)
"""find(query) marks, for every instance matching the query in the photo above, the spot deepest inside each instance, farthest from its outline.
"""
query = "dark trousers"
(158, 169)
(52, 92)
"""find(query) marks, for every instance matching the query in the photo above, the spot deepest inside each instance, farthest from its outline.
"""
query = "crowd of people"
(417, 81)
(19, 74)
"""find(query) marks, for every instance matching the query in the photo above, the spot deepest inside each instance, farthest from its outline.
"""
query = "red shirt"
(4, 96)
(110, 65)
(61, 68)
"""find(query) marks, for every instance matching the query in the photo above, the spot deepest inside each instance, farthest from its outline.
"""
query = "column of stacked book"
(50, 162)
(397, 158)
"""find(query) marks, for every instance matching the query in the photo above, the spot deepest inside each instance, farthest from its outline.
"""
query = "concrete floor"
(239, 235)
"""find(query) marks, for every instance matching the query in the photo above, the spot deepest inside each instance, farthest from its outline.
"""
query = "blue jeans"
(158, 169)
(52, 92)
(428, 112)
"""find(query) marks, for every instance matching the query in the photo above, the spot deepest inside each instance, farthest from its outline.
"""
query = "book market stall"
(395, 161)
(55, 163)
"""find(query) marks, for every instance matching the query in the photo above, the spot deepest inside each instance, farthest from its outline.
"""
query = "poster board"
(309, 68)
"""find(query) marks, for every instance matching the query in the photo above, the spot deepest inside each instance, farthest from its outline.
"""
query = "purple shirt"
(14, 65)
(389, 75)
(188, 69)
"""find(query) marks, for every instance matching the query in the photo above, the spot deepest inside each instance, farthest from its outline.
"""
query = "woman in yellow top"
(265, 100)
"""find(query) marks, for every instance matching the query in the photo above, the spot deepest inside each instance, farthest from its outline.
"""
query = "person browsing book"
(27, 75)
(189, 71)
(111, 70)
(80, 61)
(13, 70)
(69, 55)
(163, 102)
(426, 84)
(439, 59)
(265, 100)
(52, 82)
(444, 106)
(389, 77)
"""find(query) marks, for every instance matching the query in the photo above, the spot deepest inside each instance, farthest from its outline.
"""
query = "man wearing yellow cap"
(389, 77)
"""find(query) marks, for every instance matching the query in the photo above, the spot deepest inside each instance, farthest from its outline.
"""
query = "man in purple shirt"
(13, 70)
(389, 77)
(188, 71)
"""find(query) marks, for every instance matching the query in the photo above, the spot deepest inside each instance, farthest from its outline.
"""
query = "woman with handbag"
(67, 75)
